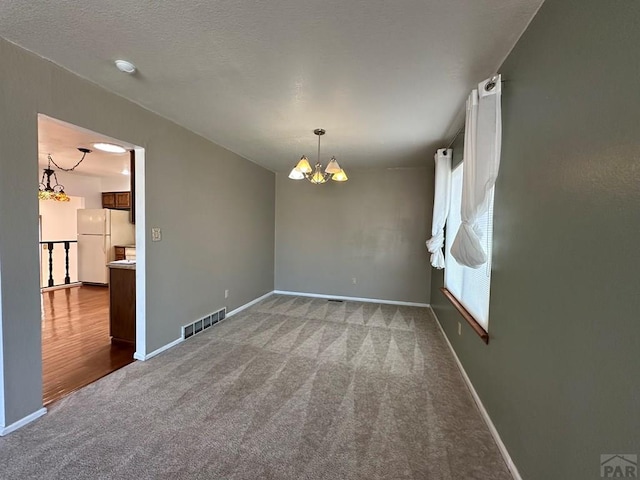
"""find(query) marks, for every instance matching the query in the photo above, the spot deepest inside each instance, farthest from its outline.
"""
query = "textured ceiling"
(386, 79)
(62, 140)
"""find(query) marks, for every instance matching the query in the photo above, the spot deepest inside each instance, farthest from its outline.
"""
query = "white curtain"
(482, 142)
(441, 202)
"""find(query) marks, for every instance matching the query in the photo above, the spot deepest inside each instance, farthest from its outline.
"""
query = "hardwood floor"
(76, 347)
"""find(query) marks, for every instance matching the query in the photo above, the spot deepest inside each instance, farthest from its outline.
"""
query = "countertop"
(123, 264)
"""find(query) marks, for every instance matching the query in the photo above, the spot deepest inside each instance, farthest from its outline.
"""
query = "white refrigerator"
(99, 230)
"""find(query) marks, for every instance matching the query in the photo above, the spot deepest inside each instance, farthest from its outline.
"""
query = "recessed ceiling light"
(109, 147)
(126, 67)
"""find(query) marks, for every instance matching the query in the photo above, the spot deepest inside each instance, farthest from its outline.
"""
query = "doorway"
(80, 234)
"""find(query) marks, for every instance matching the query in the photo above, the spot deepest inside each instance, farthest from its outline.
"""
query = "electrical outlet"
(459, 328)
(354, 280)
(156, 234)
(226, 293)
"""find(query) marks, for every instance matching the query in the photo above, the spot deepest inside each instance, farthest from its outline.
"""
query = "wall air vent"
(202, 324)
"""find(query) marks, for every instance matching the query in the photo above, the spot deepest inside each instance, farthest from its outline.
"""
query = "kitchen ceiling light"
(109, 147)
(126, 67)
(316, 176)
(48, 192)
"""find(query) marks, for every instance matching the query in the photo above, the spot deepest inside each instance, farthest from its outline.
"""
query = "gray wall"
(560, 375)
(372, 227)
(216, 210)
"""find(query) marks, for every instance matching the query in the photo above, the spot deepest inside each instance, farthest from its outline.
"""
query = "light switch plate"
(156, 234)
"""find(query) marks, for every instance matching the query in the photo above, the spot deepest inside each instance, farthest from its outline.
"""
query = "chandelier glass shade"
(316, 175)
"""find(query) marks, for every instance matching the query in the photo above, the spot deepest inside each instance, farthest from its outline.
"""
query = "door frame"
(141, 256)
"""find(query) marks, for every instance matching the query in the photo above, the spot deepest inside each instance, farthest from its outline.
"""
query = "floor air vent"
(199, 325)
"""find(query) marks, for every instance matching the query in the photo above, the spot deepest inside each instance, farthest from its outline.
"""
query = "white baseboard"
(141, 357)
(483, 411)
(60, 287)
(249, 304)
(352, 299)
(22, 422)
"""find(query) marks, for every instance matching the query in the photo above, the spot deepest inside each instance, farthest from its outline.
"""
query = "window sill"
(482, 333)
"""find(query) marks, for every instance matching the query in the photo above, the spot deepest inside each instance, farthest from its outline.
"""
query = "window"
(470, 286)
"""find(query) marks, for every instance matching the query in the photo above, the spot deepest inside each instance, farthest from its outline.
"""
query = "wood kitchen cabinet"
(108, 200)
(120, 253)
(122, 304)
(116, 200)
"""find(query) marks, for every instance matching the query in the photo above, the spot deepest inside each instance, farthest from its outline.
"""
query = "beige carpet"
(292, 388)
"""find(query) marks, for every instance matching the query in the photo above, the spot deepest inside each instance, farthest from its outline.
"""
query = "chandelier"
(316, 175)
(56, 192)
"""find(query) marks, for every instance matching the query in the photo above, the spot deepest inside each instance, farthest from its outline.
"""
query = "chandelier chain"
(51, 160)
